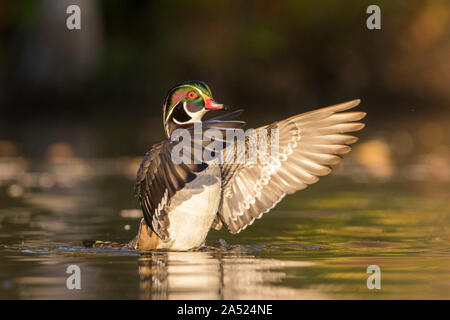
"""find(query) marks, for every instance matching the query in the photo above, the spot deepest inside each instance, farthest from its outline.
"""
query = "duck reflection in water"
(216, 275)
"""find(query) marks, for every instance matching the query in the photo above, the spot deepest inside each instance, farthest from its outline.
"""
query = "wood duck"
(182, 202)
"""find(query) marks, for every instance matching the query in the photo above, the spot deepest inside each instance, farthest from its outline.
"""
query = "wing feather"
(158, 179)
(309, 144)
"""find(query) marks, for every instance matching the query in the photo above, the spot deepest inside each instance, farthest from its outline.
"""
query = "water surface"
(316, 244)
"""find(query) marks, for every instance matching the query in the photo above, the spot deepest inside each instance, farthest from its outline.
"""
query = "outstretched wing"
(308, 144)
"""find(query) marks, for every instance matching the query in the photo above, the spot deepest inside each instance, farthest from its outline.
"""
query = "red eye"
(192, 95)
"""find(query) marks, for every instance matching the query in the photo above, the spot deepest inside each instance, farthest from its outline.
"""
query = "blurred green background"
(100, 89)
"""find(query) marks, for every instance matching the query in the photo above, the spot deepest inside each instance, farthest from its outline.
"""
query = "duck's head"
(187, 103)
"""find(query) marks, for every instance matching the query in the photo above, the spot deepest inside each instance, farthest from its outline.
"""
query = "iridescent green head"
(187, 103)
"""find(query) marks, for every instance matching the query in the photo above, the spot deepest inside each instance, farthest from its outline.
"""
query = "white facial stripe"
(195, 116)
(190, 114)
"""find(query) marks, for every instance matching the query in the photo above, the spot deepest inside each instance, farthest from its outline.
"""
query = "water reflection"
(216, 275)
(340, 225)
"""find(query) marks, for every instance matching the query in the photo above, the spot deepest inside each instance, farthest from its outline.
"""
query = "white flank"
(192, 211)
